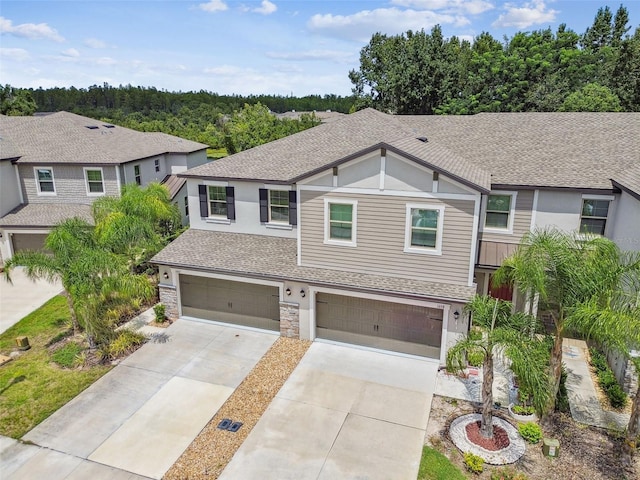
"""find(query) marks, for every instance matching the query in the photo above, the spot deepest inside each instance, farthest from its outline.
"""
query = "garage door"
(390, 326)
(230, 302)
(28, 241)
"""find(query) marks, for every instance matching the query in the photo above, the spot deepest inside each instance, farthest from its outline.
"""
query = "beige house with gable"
(376, 229)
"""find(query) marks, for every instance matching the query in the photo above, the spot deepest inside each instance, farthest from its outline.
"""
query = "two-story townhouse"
(377, 229)
(52, 167)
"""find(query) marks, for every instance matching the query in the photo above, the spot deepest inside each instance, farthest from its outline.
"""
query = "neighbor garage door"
(391, 326)
(28, 241)
(230, 302)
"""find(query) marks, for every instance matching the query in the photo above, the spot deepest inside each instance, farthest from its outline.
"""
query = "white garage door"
(230, 302)
(391, 326)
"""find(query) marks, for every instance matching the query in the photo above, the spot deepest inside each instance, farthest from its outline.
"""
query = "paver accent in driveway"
(343, 413)
(143, 414)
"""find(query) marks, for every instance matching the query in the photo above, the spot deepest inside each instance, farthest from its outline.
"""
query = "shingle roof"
(296, 156)
(578, 150)
(629, 180)
(63, 137)
(275, 258)
(173, 184)
(45, 214)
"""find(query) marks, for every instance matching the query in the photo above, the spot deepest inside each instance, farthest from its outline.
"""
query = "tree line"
(425, 73)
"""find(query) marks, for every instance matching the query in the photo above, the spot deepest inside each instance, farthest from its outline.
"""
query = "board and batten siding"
(69, 181)
(381, 237)
(521, 220)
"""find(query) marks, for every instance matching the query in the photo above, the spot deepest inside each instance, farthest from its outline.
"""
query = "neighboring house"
(52, 167)
(377, 229)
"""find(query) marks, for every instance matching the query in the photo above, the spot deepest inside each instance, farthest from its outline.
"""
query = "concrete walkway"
(583, 401)
(22, 296)
(344, 413)
(140, 417)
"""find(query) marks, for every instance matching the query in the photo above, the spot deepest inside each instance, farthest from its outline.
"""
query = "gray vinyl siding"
(521, 220)
(381, 236)
(70, 184)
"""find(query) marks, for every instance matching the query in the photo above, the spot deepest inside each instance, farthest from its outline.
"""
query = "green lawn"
(435, 466)
(32, 387)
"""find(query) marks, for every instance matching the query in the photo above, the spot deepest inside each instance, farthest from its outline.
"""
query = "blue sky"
(246, 47)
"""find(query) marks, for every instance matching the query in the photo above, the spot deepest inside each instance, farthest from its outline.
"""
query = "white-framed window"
(136, 174)
(279, 206)
(340, 221)
(186, 206)
(156, 164)
(95, 181)
(423, 228)
(217, 196)
(593, 217)
(44, 180)
(500, 212)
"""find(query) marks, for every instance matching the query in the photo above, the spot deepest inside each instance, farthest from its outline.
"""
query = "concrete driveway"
(140, 417)
(344, 413)
(22, 296)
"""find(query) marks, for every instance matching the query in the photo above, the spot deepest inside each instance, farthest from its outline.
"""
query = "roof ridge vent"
(423, 139)
(92, 127)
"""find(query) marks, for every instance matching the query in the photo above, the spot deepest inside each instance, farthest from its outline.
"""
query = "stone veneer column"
(169, 298)
(289, 320)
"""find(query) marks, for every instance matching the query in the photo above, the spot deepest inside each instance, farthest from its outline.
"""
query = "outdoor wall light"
(166, 275)
(456, 315)
(302, 294)
(288, 291)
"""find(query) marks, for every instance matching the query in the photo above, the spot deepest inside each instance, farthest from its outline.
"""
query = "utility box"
(23, 343)
(550, 447)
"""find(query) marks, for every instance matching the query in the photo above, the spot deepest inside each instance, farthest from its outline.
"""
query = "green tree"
(136, 225)
(93, 278)
(496, 331)
(560, 270)
(592, 98)
(16, 101)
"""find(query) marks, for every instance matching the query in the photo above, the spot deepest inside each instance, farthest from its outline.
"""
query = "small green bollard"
(550, 447)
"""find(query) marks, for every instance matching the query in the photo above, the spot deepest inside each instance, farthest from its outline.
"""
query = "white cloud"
(265, 8)
(71, 52)
(531, 13)
(213, 6)
(95, 43)
(104, 61)
(30, 30)
(361, 25)
(322, 55)
(472, 7)
(18, 54)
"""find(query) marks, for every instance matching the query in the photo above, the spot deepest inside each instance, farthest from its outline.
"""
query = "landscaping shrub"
(607, 380)
(562, 399)
(475, 358)
(530, 431)
(474, 463)
(67, 355)
(160, 312)
(523, 410)
(508, 473)
(125, 343)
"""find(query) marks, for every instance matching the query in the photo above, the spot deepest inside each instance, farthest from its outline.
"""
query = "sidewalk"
(585, 407)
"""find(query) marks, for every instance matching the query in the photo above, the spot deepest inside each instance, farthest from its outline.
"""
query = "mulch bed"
(499, 441)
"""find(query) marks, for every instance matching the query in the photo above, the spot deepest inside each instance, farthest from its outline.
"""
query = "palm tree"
(612, 317)
(89, 274)
(560, 270)
(495, 331)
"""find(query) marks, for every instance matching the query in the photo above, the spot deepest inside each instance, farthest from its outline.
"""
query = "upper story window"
(340, 222)
(156, 164)
(186, 206)
(44, 181)
(136, 174)
(594, 216)
(217, 202)
(278, 208)
(499, 213)
(95, 181)
(423, 232)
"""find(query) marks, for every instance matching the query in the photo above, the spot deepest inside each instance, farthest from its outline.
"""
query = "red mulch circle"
(499, 441)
